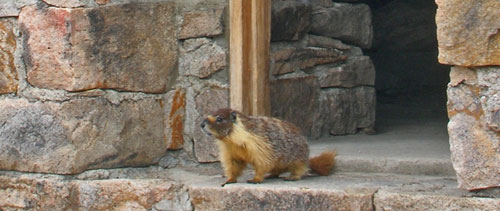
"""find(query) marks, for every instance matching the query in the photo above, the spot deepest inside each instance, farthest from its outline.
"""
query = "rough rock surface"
(290, 20)
(322, 3)
(345, 111)
(296, 101)
(275, 199)
(127, 195)
(468, 32)
(8, 72)
(347, 22)
(175, 110)
(54, 193)
(387, 200)
(326, 42)
(291, 59)
(357, 71)
(102, 2)
(80, 134)
(12, 8)
(474, 127)
(339, 191)
(130, 47)
(68, 3)
(201, 102)
(202, 23)
(201, 57)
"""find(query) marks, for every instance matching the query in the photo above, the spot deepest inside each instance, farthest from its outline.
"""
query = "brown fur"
(323, 163)
(268, 144)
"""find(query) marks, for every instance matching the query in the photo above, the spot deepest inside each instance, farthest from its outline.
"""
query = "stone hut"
(106, 84)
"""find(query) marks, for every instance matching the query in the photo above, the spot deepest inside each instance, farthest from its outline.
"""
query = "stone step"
(411, 147)
(408, 166)
(198, 188)
(339, 191)
(349, 161)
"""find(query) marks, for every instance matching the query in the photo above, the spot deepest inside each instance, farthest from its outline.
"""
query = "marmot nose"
(203, 123)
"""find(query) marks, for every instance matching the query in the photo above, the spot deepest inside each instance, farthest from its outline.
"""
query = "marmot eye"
(218, 119)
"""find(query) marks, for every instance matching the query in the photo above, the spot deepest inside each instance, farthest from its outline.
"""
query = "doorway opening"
(411, 116)
(410, 83)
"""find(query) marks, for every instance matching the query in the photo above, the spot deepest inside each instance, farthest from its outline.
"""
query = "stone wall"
(468, 39)
(90, 84)
(321, 81)
(106, 84)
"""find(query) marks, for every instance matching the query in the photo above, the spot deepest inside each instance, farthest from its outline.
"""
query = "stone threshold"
(371, 154)
(411, 146)
(340, 191)
(198, 188)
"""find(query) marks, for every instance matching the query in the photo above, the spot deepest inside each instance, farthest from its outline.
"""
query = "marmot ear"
(233, 116)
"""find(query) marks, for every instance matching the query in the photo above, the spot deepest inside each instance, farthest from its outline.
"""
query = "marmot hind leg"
(275, 173)
(297, 170)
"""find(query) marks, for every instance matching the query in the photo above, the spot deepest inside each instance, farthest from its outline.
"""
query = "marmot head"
(220, 123)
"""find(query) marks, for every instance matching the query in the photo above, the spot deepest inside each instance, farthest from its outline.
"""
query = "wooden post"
(250, 35)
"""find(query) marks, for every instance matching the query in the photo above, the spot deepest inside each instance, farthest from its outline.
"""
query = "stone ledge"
(396, 200)
(434, 167)
(36, 192)
(199, 188)
(294, 59)
(250, 198)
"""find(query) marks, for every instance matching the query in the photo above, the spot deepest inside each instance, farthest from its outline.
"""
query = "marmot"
(270, 145)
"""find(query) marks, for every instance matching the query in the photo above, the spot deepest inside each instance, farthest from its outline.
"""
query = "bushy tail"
(323, 163)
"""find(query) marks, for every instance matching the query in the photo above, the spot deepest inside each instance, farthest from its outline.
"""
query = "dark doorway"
(410, 83)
